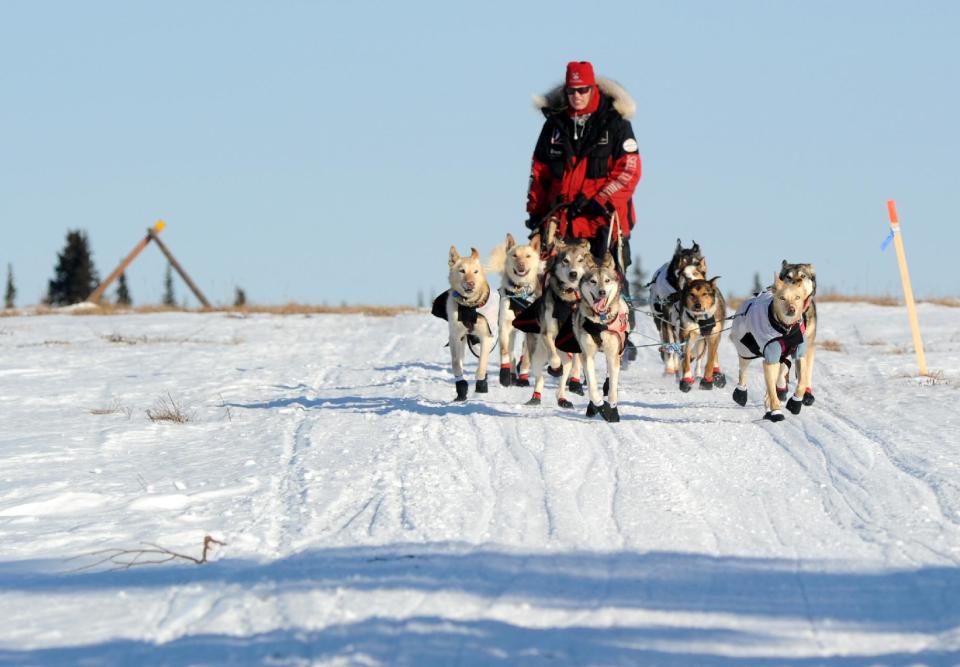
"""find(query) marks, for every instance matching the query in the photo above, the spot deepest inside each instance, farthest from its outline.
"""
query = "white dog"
(470, 308)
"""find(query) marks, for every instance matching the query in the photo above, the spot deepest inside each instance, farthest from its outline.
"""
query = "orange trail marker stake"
(907, 289)
(102, 287)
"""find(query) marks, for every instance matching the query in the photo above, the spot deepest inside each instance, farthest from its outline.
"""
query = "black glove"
(576, 206)
(593, 209)
(533, 222)
(581, 206)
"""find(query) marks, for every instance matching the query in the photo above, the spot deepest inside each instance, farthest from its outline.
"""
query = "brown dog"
(702, 314)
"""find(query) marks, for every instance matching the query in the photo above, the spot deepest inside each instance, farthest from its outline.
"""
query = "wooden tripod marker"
(152, 235)
(907, 289)
(102, 287)
(183, 274)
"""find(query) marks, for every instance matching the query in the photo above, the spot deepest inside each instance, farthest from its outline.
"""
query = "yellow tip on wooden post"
(159, 226)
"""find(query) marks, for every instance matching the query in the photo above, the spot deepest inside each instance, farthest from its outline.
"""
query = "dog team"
(563, 298)
(554, 312)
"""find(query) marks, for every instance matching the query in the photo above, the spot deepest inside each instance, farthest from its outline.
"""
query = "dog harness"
(520, 296)
(757, 333)
(467, 313)
(616, 323)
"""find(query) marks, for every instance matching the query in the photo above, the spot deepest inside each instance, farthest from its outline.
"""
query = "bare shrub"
(124, 559)
(168, 410)
(114, 408)
(931, 379)
(831, 346)
(145, 340)
(949, 302)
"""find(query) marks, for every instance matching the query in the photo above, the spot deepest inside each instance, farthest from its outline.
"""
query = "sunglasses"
(578, 91)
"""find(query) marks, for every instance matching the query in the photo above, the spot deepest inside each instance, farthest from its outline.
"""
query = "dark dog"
(687, 264)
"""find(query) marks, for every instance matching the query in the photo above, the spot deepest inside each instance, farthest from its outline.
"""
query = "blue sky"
(332, 152)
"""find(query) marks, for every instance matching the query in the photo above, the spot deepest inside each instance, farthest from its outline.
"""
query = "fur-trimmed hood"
(555, 100)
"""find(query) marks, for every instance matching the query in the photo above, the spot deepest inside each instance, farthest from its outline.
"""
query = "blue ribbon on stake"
(886, 241)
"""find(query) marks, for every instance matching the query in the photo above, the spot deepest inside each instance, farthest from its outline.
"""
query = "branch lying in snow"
(124, 559)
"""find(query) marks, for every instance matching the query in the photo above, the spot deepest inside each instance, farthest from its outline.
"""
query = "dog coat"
(660, 288)
(528, 321)
(756, 332)
(617, 326)
(490, 310)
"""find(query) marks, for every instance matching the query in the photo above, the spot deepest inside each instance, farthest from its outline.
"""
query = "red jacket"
(602, 162)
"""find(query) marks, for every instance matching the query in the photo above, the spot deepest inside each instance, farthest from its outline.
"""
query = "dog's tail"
(497, 260)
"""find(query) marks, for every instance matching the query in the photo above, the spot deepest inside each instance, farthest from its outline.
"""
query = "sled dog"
(601, 325)
(550, 320)
(470, 307)
(702, 315)
(770, 325)
(520, 271)
(685, 265)
(805, 275)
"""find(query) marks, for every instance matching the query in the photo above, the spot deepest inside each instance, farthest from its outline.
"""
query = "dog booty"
(774, 416)
(740, 396)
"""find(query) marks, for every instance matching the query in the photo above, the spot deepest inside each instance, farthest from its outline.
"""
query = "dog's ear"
(510, 241)
(679, 246)
(535, 243)
(454, 256)
(777, 283)
(696, 248)
(474, 253)
(713, 281)
(608, 261)
(584, 243)
(702, 265)
(813, 270)
(783, 266)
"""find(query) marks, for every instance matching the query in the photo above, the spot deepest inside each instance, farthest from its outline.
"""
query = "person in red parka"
(586, 157)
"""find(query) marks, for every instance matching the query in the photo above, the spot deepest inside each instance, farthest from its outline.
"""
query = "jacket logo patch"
(555, 138)
(605, 139)
(630, 145)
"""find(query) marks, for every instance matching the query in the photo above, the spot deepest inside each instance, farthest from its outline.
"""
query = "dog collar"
(460, 299)
(518, 291)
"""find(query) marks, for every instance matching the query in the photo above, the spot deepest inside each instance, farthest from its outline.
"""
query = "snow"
(370, 521)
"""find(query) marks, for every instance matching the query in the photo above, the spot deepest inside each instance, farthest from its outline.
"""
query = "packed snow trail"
(369, 520)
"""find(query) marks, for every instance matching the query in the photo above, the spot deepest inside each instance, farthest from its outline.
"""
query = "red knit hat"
(580, 73)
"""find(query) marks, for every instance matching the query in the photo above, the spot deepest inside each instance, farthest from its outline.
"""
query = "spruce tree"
(123, 292)
(239, 298)
(638, 281)
(169, 299)
(75, 276)
(757, 285)
(10, 296)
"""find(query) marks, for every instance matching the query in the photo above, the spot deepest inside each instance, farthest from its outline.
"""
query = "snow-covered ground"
(369, 521)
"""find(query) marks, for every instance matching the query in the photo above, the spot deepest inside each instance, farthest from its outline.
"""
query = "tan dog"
(601, 325)
(470, 307)
(520, 271)
(702, 314)
(805, 275)
(770, 326)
